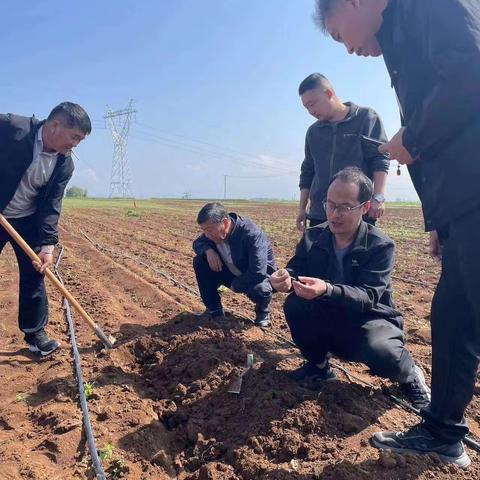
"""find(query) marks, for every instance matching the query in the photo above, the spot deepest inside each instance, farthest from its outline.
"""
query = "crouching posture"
(234, 252)
(341, 302)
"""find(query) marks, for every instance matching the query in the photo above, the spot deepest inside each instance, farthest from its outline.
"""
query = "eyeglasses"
(331, 207)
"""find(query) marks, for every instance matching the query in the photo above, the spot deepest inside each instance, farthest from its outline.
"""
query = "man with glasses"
(341, 302)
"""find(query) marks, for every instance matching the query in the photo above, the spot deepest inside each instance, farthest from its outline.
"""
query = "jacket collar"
(359, 244)
(352, 113)
(237, 221)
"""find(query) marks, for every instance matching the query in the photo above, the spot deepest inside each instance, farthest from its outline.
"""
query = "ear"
(366, 207)
(329, 93)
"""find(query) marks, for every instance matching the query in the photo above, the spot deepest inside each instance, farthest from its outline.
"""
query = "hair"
(356, 176)
(313, 81)
(323, 9)
(215, 212)
(71, 115)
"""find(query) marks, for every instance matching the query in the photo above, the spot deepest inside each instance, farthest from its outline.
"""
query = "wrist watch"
(379, 197)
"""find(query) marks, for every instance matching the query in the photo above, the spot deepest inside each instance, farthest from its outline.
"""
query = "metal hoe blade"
(236, 385)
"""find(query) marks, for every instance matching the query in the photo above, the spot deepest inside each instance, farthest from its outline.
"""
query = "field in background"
(160, 398)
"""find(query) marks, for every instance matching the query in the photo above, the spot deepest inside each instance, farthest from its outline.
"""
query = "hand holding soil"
(281, 280)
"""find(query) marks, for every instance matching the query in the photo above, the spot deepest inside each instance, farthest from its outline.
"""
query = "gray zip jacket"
(330, 147)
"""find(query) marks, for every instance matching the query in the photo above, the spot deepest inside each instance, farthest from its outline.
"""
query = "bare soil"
(161, 397)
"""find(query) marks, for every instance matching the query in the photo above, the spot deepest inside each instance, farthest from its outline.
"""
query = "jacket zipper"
(334, 148)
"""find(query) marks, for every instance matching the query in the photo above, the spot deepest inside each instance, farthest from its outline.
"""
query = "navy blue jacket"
(432, 52)
(17, 138)
(251, 251)
(367, 267)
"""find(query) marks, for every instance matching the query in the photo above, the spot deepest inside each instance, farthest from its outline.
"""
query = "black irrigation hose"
(467, 440)
(97, 465)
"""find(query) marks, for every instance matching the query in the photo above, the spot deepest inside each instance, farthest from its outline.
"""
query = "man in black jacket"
(234, 252)
(334, 142)
(341, 302)
(432, 52)
(35, 167)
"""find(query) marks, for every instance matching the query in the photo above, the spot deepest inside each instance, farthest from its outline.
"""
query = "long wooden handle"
(56, 282)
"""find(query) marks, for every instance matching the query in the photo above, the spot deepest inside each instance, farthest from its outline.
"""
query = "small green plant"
(106, 453)
(21, 397)
(132, 213)
(89, 390)
(117, 469)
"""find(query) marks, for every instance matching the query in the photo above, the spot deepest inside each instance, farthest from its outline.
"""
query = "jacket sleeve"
(374, 128)
(307, 171)
(48, 213)
(257, 245)
(449, 29)
(372, 281)
(202, 244)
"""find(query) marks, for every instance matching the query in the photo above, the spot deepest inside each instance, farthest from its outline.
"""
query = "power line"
(223, 149)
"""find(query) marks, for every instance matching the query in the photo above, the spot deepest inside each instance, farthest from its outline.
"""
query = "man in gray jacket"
(334, 142)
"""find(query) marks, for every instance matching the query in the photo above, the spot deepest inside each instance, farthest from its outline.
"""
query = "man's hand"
(395, 149)
(46, 261)
(281, 280)
(214, 260)
(309, 287)
(302, 220)
(435, 248)
(377, 210)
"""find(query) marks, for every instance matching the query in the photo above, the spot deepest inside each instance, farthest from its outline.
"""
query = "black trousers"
(33, 302)
(208, 282)
(318, 329)
(455, 323)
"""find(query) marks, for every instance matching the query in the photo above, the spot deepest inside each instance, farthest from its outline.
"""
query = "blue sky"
(214, 84)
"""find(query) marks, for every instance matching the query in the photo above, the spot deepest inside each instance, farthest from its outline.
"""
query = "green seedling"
(89, 390)
(21, 397)
(106, 453)
(132, 213)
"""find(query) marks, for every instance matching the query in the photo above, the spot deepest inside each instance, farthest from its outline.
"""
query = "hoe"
(107, 341)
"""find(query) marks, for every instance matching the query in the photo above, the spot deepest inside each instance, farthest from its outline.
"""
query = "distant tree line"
(76, 192)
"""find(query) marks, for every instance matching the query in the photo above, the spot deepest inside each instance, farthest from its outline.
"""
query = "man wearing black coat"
(236, 253)
(432, 52)
(35, 167)
(334, 142)
(341, 302)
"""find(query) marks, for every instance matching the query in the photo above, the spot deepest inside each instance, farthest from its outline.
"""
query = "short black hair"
(323, 9)
(313, 81)
(356, 176)
(214, 211)
(71, 115)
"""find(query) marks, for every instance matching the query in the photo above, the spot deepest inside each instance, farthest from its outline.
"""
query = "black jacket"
(367, 267)
(330, 147)
(251, 251)
(17, 138)
(432, 52)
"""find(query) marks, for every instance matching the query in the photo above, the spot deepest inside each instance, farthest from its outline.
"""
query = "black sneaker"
(419, 440)
(417, 390)
(311, 376)
(38, 342)
(262, 319)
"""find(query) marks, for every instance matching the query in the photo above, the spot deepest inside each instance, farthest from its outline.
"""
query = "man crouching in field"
(234, 252)
(35, 167)
(342, 301)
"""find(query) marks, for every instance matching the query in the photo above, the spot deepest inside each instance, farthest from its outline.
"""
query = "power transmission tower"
(119, 122)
